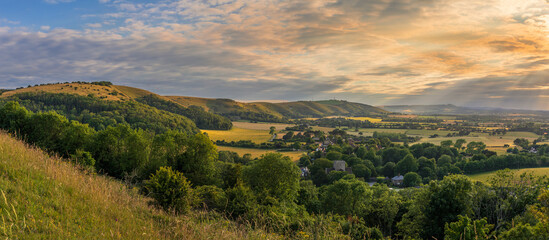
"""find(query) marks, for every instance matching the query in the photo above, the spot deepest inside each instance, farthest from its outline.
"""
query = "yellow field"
(485, 177)
(374, 120)
(295, 155)
(261, 126)
(237, 134)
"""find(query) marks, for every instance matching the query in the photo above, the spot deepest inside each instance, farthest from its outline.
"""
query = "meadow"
(43, 197)
(485, 177)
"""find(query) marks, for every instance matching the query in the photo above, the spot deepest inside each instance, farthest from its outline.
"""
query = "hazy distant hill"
(450, 109)
(277, 112)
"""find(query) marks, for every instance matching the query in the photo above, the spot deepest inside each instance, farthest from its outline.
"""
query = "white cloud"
(365, 50)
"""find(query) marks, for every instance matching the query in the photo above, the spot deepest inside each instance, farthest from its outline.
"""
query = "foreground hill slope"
(46, 198)
(279, 112)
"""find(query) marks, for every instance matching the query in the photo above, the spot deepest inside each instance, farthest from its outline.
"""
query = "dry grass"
(46, 198)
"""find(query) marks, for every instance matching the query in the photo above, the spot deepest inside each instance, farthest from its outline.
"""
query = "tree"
(411, 179)
(346, 197)
(120, 150)
(198, 160)
(521, 142)
(459, 143)
(447, 199)
(360, 170)
(333, 155)
(170, 190)
(406, 165)
(475, 148)
(446, 143)
(389, 169)
(318, 171)
(467, 229)
(272, 130)
(274, 175)
(13, 117)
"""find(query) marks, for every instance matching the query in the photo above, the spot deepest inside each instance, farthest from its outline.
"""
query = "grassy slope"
(75, 88)
(45, 198)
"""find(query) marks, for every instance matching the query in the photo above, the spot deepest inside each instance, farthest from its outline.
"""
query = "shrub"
(212, 197)
(84, 159)
(170, 190)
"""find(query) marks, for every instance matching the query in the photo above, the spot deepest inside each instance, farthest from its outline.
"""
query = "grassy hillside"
(108, 94)
(82, 89)
(278, 112)
(45, 198)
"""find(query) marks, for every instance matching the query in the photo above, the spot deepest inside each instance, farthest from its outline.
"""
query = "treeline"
(100, 114)
(280, 145)
(118, 150)
(253, 116)
(379, 157)
(202, 119)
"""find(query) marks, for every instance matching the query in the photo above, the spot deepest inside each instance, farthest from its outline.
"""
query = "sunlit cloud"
(376, 52)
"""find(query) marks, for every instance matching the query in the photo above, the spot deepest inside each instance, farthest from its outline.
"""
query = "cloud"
(376, 51)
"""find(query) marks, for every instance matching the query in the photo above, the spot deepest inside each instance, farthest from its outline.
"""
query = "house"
(339, 165)
(304, 171)
(397, 180)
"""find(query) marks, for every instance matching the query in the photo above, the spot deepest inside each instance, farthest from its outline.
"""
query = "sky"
(489, 53)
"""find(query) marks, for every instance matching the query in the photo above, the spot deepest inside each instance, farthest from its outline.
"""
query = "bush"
(212, 197)
(84, 159)
(170, 190)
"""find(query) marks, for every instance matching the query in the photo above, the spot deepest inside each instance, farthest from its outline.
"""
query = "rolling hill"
(280, 112)
(204, 111)
(121, 103)
(42, 197)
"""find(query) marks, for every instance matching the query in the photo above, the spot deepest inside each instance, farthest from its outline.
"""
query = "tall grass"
(43, 197)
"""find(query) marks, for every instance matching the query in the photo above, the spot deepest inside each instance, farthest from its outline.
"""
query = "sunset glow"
(491, 53)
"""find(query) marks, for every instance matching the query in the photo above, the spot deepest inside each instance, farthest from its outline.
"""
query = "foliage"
(411, 179)
(170, 190)
(468, 229)
(274, 175)
(202, 119)
(100, 113)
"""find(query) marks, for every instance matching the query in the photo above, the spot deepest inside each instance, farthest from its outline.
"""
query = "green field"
(294, 155)
(485, 177)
